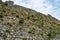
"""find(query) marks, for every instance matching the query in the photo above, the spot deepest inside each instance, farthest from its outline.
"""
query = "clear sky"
(51, 7)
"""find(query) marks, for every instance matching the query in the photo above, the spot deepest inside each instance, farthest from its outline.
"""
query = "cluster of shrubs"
(32, 31)
(1, 15)
(51, 33)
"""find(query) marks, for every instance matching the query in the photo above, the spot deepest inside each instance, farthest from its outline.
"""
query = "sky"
(46, 7)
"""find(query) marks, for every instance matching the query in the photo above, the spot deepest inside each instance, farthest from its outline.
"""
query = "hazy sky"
(44, 6)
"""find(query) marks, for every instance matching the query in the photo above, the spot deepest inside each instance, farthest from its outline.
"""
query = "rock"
(0, 0)
(9, 3)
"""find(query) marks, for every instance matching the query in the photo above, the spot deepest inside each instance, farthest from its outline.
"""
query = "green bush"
(40, 24)
(17, 16)
(4, 36)
(20, 28)
(51, 33)
(9, 24)
(7, 31)
(6, 4)
(1, 15)
(28, 17)
(24, 38)
(32, 31)
(21, 21)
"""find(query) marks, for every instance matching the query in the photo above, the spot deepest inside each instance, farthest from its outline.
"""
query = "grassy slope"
(28, 21)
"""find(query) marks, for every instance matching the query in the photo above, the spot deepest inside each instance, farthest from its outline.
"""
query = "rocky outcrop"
(9, 3)
(0, 1)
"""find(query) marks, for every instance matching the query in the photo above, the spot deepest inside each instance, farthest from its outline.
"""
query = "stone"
(0, 0)
(9, 3)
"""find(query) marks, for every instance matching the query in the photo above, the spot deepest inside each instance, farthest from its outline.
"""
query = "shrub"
(20, 28)
(24, 38)
(17, 16)
(4, 36)
(41, 33)
(32, 31)
(28, 17)
(1, 15)
(4, 11)
(9, 24)
(7, 31)
(6, 4)
(51, 33)
(40, 24)
(21, 21)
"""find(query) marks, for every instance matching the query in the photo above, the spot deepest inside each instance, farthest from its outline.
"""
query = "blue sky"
(51, 7)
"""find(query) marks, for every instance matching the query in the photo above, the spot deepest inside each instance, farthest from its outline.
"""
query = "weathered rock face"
(0, 1)
(9, 3)
(56, 38)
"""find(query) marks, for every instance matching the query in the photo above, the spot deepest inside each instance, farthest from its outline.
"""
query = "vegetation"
(1, 15)
(21, 21)
(32, 23)
(4, 36)
(32, 31)
(20, 28)
(7, 31)
(51, 33)
(17, 16)
(9, 24)
(24, 38)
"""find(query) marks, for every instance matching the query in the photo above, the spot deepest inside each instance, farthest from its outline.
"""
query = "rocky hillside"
(20, 23)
